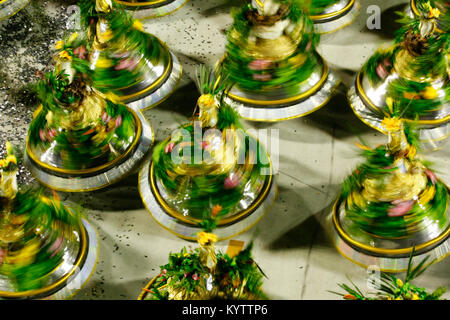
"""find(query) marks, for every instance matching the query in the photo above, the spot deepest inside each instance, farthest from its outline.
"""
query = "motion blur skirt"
(45, 169)
(336, 16)
(145, 9)
(69, 277)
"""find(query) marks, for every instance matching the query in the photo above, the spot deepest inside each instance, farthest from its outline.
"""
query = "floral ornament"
(390, 104)
(65, 55)
(382, 68)
(105, 117)
(169, 147)
(432, 12)
(215, 210)
(393, 288)
(59, 45)
(411, 95)
(260, 64)
(56, 246)
(430, 174)
(80, 52)
(400, 208)
(118, 121)
(138, 25)
(204, 238)
(48, 134)
(73, 36)
(103, 63)
(2, 253)
(392, 124)
(232, 181)
(206, 100)
(10, 158)
(429, 93)
(127, 64)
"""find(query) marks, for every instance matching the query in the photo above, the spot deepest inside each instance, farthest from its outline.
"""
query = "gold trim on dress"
(93, 268)
(339, 28)
(333, 14)
(140, 4)
(147, 287)
(35, 292)
(14, 13)
(165, 14)
(95, 169)
(300, 115)
(382, 269)
(175, 87)
(342, 233)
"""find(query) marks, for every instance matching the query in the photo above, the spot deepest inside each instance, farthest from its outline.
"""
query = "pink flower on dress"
(232, 181)
(205, 144)
(169, 147)
(186, 274)
(259, 64)
(381, 68)
(50, 134)
(80, 52)
(401, 208)
(42, 135)
(118, 121)
(127, 64)
(53, 132)
(2, 253)
(381, 71)
(387, 62)
(308, 46)
(56, 246)
(105, 117)
(262, 77)
(430, 174)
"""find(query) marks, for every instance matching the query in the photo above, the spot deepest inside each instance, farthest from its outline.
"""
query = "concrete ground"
(315, 153)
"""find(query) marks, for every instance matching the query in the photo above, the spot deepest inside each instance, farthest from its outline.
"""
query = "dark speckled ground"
(26, 42)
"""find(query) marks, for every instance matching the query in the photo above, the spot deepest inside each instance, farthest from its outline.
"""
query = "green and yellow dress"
(81, 139)
(209, 163)
(414, 73)
(392, 205)
(127, 61)
(205, 274)
(272, 62)
(422, 8)
(47, 250)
